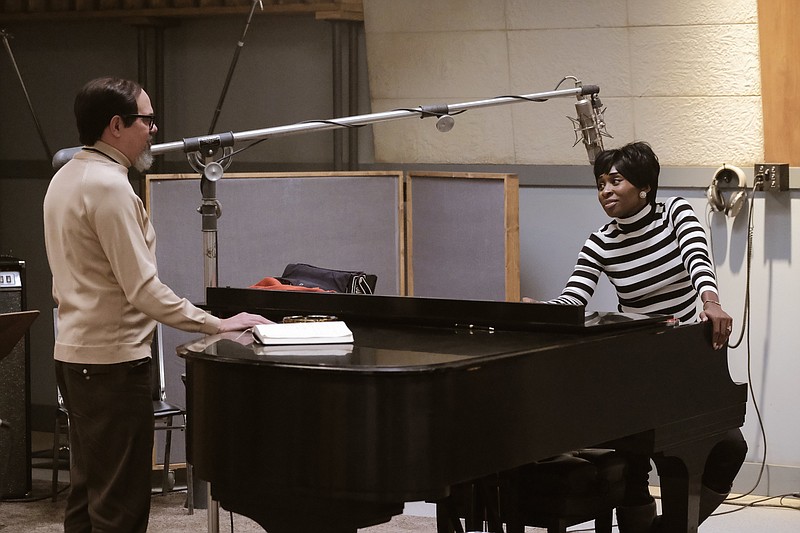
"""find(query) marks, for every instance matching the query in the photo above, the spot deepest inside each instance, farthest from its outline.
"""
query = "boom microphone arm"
(439, 110)
(202, 151)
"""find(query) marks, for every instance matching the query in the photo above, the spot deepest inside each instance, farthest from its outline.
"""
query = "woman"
(656, 256)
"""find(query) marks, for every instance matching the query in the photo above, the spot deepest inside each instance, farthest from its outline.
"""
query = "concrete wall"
(681, 74)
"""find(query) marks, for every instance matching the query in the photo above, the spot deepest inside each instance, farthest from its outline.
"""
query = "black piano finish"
(338, 440)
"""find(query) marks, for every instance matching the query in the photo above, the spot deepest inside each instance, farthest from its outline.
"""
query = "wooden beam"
(780, 79)
(332, 9)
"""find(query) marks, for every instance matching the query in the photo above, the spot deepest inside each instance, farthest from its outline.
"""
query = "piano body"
(436, 392)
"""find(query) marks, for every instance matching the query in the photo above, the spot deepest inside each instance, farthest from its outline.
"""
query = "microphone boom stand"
(202, 150)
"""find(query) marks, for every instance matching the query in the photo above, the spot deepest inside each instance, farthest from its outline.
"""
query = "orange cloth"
(273, 284)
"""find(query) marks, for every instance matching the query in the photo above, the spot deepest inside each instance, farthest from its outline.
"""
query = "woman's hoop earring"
(642, 195)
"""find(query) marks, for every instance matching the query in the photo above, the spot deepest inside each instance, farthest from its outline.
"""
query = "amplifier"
(15, 440)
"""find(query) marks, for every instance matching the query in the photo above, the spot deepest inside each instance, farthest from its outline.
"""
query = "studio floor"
(750, 514)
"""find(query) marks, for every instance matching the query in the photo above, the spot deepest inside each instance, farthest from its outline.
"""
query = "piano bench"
(476, 501)
(564, 490)
(555, 493)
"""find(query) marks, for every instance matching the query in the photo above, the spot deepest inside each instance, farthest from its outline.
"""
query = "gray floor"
(754, 520)
(168, 515)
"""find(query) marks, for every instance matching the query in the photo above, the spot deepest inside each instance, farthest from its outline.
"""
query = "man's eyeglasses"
(150, 120)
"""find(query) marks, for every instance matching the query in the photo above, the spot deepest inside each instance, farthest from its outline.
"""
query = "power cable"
(745, 328)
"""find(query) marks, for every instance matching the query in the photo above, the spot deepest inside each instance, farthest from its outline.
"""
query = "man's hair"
(636, 162)
(99, 101)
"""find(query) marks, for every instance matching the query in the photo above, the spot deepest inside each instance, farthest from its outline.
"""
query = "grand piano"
(436, 392)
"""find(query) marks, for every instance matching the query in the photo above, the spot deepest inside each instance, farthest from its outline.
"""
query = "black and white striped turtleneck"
(657, 260)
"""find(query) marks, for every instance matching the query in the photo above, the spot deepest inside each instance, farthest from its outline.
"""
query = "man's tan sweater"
(101, 249)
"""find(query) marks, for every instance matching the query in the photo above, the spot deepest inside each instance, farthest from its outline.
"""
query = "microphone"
(589, 126)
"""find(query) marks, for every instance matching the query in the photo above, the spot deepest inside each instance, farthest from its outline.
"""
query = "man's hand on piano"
(241, 322)
(528, 300)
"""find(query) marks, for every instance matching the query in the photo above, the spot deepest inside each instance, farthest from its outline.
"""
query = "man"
(101, 249)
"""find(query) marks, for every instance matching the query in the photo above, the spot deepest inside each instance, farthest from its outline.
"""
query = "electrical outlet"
(775, 176)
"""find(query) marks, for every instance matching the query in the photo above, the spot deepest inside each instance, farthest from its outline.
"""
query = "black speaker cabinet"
(15, 440)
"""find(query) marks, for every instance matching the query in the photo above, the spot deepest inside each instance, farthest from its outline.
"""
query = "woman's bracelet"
(711, 302)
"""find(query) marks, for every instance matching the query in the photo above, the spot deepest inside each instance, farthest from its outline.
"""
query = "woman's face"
(619, 197)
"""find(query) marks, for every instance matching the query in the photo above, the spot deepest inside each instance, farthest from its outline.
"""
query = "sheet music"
(335, 332)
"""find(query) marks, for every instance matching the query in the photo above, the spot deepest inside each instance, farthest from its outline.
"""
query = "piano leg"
(680, 470)
(213, 511)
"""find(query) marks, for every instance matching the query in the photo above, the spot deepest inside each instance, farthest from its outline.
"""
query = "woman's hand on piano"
(721, 322)
(241, 322)
(528, 300)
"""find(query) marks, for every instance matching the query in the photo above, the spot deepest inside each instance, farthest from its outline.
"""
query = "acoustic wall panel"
(347, 221)
(463, 235)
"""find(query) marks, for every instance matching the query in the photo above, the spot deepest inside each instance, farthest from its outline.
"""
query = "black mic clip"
(589, 89)
(199, 150)
(593, 92)
(209, 144)
(435, 110)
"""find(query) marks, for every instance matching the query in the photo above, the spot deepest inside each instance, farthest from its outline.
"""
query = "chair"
(477, 501)
(554, 493)
(163, 412)
(62, 427)
(569, 489)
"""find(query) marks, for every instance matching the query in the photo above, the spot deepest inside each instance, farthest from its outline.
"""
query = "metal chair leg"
(167, 448)
(56, 455)
(57, 448)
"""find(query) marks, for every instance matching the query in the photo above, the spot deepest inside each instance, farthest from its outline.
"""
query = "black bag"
(304, 275)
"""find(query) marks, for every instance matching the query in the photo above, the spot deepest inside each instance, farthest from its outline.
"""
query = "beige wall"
(681, 74)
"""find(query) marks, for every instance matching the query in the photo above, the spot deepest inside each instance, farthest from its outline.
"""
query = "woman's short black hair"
(99, 101)
(636, 162)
